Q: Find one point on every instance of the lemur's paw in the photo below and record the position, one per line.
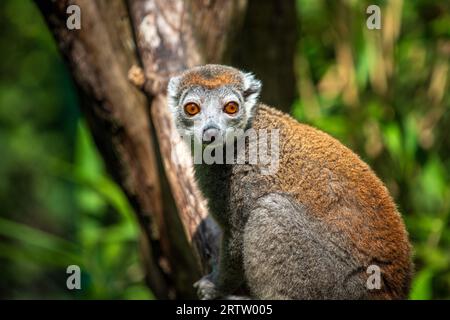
(206, 289)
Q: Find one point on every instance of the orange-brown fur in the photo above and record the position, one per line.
(334, 183)
(274, 248)
(215, 76)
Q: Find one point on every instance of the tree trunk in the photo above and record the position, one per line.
(267, 46)
(134, 131)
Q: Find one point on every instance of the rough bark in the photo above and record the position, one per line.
(172, 36)
(266, 46)
(99, 56)
(134, 132)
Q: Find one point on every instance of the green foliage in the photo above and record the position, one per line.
(58, 206)
(384, 93)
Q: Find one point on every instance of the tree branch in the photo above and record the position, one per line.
(141, 147)
(99, 56)
(171, 38)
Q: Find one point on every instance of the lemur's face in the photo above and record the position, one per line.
(211, 102)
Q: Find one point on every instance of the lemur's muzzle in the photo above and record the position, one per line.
(210, 134)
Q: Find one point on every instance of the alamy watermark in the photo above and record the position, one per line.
(74, 279)
(374, 280)
(255, 147)
(73, 22)
(374, 20)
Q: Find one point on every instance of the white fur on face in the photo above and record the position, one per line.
(252, 90)
(211, 102)
(172, 93)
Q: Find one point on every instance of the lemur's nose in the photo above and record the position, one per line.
(210, 134)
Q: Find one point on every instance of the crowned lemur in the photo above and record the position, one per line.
(312, 229)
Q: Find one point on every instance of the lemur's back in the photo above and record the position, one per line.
(339, 194)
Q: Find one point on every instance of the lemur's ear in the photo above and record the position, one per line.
(252, 89)
(173, 91)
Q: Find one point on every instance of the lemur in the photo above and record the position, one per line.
(311, 229)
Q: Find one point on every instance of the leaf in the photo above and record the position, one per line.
(421, 288)
(32, 237)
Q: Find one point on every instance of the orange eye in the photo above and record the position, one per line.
(191, 109)
(231, 108)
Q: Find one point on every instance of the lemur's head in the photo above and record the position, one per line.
(210, 101)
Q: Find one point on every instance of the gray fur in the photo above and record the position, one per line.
(272, 247)
(298, 257)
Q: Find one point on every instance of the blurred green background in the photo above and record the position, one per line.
(383, 93)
